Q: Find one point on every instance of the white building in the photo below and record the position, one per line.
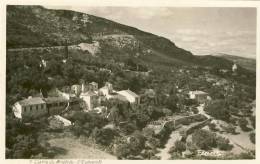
(31, 107)
(234, 67)
(200, 96)
(130, 96)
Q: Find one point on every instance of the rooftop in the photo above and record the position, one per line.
(32, 101)
(119, 97)
(55, 99)
(93, 83)
(198, 92)
(128, 92)
(62, 119)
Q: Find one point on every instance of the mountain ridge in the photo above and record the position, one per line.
(246, 62)
(36, 26)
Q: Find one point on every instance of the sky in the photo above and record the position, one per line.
(201, 30)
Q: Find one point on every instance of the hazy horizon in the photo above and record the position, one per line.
(203, 31)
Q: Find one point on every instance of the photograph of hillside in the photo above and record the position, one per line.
(130, 83)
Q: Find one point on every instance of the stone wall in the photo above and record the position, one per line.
(198, 126)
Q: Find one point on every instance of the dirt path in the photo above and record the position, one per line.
(72, 149)
(164, 153)
(241, 142)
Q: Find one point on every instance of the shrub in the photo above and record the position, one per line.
(148, 132)
(230, 129)
(122, 150)
(179, 147)
(246, 155)
(153, 143)
(149, 154)
(223, 143)
(192, 148)
(137, 143)
(212, 126)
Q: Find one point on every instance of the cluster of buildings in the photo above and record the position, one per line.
(87, 97)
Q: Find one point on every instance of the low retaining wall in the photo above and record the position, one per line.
(174, 124)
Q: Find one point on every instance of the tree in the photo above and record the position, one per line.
(218, 109)
(171, 103)
(122, 150)
(252, 137)
(192, 148)
(142, 118)
(153, 112)
(204, 139)
(128, 128)
(104, 136)
(166, 112)
(26, 147)
(252, 119)
(114, 115)
(137, 142)
(242, 122)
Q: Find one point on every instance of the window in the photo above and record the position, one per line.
(30, 108)
(24, 109)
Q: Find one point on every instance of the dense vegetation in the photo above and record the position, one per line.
(207, 140)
